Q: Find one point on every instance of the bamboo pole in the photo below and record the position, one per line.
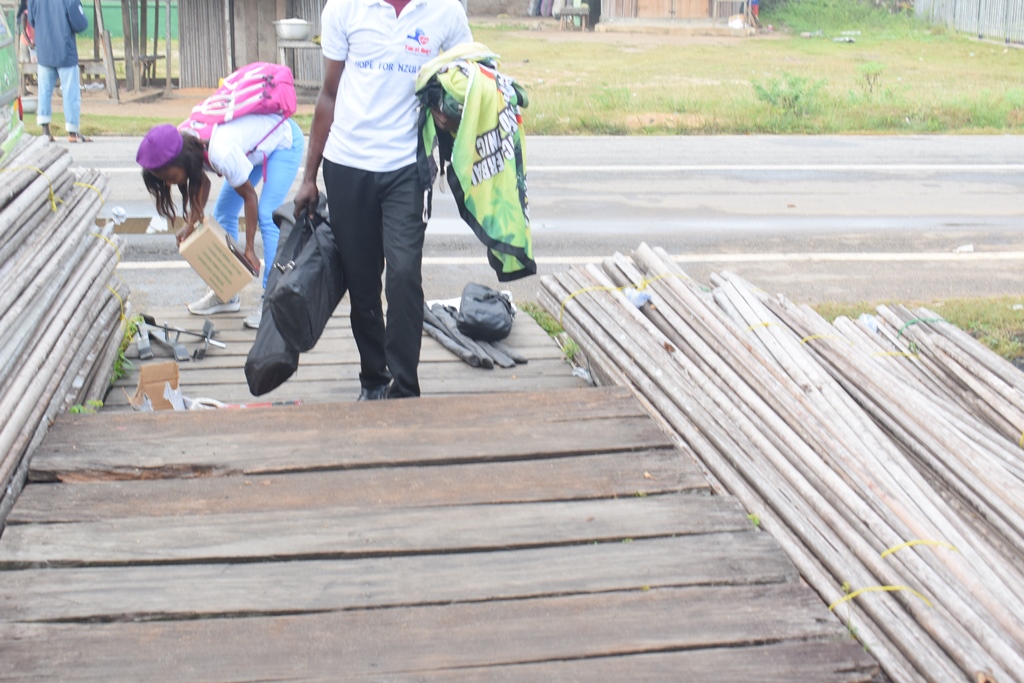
(681, 416)
(884, 496)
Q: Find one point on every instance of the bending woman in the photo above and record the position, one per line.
(244, 151)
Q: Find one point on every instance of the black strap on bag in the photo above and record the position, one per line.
(484, 314)
(310, 287)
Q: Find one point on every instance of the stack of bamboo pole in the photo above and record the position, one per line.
(891, 478)
(61, 309)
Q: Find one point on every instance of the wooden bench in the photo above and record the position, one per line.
(148, 69)
(568, 15)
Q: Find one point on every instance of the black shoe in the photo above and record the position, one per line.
(374, 393)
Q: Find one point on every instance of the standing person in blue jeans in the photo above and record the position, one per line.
(250, 149)
(56, 22)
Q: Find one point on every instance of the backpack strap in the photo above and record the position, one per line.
(262, 140)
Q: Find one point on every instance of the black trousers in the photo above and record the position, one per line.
(377, 219)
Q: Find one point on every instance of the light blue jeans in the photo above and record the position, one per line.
(282, 167)
(71, 90)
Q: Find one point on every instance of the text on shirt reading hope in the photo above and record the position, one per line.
(388, 66)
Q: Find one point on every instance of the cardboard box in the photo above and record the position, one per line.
(152, 378)
(214, 255)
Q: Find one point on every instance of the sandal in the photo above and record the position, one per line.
(77, 137)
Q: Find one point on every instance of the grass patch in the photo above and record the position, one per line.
(122, 365)
(994, 321)
(549, 324)
(89, 408)
(900, 76)
(546, 321)
(92, 124)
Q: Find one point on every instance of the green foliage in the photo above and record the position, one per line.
(121, 363)
(89, 408)
(791, 94)
(548, 323)
(754, 519)
(870, 73)
(569, 347)
(543, 318)
(834, 16)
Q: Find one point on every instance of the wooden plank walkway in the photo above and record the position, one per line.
(530, 536)
(330, 371)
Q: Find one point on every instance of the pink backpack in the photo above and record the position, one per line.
(257, 88)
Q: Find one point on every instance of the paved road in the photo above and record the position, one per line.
(754, 204)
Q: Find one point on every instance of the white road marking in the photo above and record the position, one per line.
(883, 168)
(739, 168)
(871, 257)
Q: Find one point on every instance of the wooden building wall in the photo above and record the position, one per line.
(672, 9)
(308, 64)
(203, 42)
(254, 37)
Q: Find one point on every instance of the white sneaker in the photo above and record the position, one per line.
(211, 304)
(252, 321)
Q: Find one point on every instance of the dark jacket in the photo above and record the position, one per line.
(56, 22)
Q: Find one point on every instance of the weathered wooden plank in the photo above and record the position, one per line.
(214, 454)
(229, 329)
(345, 346)
(429, 373)
(821, 661)
(351, 531)
(346, 435)
(372, 644)
(577, 478)
(339, 355)
(206, 590)
(347, 390)
(529, 412)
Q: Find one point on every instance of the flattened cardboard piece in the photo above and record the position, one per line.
(215, 257)
(152, 380)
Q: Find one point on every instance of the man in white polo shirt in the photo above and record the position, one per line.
(364, 132)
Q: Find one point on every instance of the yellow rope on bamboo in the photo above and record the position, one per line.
(597, 288)
(120, 300)
(91, 187)
(918, 541)
(110, 242)
(873, 589)
(53, 197)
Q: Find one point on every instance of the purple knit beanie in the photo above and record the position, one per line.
(160, 147)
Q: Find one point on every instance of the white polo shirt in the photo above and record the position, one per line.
(238, 146)
(375, 113)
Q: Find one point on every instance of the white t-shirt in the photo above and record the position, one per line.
(235, 148)
(375, 113)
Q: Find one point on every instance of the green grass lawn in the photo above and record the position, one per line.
(899, 77)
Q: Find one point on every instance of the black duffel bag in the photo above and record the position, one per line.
(484, 314)
(270, 361)
(311, 282)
